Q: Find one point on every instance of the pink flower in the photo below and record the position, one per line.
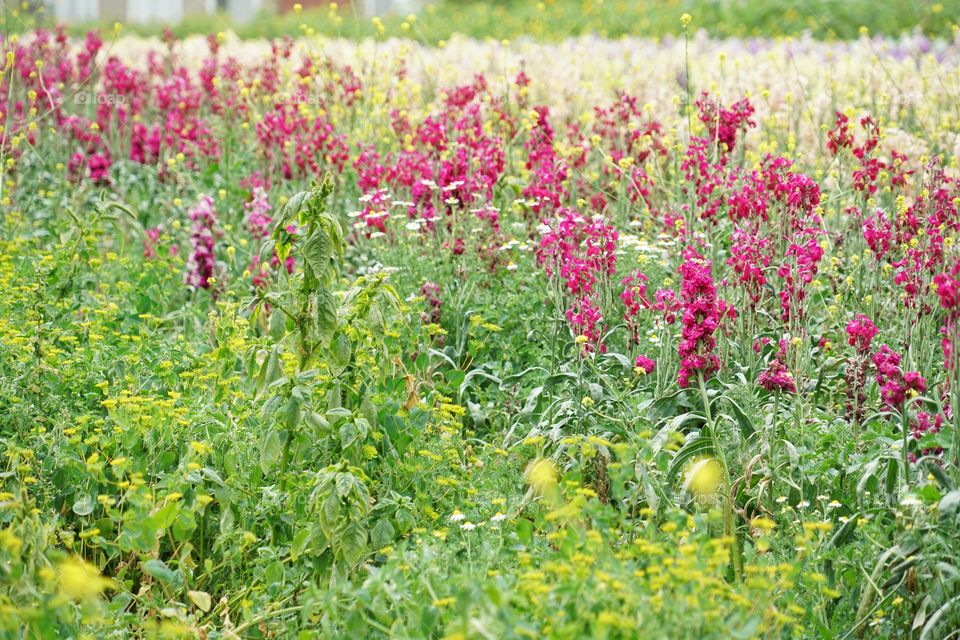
(777, 377)
(749, 257)
(723, 124)
(860, 332)
(431, 295)
(258, 214)
(634, 297)
(645, 364)
(894, 385)
(586, 320)
(150, 243)
(202, 262)
(700, 319)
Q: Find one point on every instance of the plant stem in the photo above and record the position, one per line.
(905, 426)
(729, 521)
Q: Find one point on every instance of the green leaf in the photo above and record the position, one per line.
(532, 399)
(84, 506)
(382, 534)
(318, 423)
(318, 251)
(184, 526)
(935, 618)
(524, 529)
(345, 483)
(869, 472)
(330, 513)
(201, 599)
(270, 450)
(341, 349)
(476, 373)
(932, 465)
(348, 434)
(949, 504)
(159, 570)
(843, 534)
(745, 424)
(299, 543)
(353, 542)
(290, 211)
(696, 447)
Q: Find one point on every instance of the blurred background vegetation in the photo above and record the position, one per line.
(558, 19)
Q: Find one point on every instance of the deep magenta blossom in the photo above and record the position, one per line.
(894, 385)
(860, 332)
(587, 320)
(645, 364)
(777, 376)
(700, 319)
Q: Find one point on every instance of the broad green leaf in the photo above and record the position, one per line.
(159, 570)
(270, 450)
(353, 542)
(950, 504)
(201, 599)
(382, 534)
(317, 252)
(84, 506)
(348, 434)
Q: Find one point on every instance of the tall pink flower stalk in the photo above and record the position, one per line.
(860, 333)
(700, 319)
(201, 264)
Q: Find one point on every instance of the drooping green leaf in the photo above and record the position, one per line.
(270, 449)
(201, 599)
(159, 570)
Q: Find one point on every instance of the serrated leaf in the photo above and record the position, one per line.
(382, 534)
(317, 252)
(345, 482)
(353, 542)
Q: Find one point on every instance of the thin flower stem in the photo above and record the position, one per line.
(729, 521)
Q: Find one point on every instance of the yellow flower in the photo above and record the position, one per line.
(542, 475)
(764, 524)
(703, 477)
(80, 580)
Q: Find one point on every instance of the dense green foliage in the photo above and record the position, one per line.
(291, 349)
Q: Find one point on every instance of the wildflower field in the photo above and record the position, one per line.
(576, 338)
